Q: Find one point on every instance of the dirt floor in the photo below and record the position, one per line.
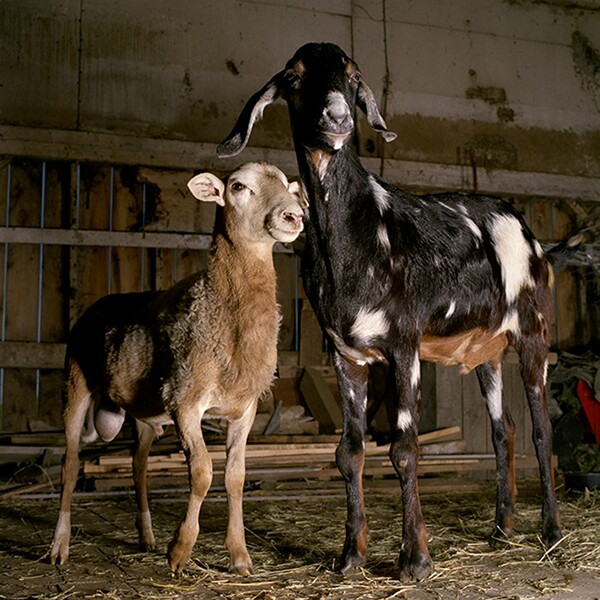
(294, 542)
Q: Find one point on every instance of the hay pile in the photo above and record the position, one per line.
(295, 545)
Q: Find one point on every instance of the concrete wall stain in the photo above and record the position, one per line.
(586, 60)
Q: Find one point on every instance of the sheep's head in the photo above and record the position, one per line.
(259, 204)
(321, 85)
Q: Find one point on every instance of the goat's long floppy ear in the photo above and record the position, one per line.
(236, 141)
(366, 100)
(295, 188)
(208, 188)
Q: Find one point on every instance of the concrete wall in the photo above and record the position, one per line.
(499, 84)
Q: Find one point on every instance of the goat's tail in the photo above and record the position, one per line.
(577, 250)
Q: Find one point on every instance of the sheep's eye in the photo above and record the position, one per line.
(236, 186)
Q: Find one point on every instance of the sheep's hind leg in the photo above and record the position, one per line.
(143, 521)
(189, 427)
(78, 400)
(235, 472)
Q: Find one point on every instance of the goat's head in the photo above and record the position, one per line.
(259, 204)
(321, 85)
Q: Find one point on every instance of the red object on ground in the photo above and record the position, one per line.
(591, 407)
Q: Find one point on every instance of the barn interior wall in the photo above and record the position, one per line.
(107, 108)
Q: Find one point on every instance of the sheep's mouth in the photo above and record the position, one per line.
(286, 232)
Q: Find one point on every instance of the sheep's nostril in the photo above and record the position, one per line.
(291, 217)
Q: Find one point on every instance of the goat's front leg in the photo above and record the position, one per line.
(414, 560)
(143, 521)
(350, 458)
(188, 421)
(235, 473)
(503, 439)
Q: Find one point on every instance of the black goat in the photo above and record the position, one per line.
(451, 278)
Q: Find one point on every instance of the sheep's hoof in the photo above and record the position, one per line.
(178, 557)
(244, 570)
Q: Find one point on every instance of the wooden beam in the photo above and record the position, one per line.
(123, 239)
(55, 144)
(32, 355)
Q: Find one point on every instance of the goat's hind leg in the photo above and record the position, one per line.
(503, 439)
(350, 458)
(77, 403)
(235, 473)
(414, 560)
(143, 521)
(533, 357)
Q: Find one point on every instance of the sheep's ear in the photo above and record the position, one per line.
(236, 141)
(208, 188)
(366, 100)
(295, 188)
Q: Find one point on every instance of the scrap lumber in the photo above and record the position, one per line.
(271, 462)
(320, 400)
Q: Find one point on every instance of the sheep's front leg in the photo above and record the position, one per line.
(414, 560)
(143, 521)
(188, 422)
(235, 472)
(350, 458)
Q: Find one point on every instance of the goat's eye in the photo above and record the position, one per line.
(356, 77)
(236, 186)
(293, 77)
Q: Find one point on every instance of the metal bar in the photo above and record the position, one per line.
(4, 289)
(111, 199)
(143, 252)
(296, 305)
(40, 283)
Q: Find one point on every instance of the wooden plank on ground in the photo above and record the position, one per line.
(320, 400)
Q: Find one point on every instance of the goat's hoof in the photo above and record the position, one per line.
(551, 536)
(415, 567)
(350, 562)
(499, 537)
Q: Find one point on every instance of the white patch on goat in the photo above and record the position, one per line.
(371, 272)
(539, 251)
(369, 324)
(545, 371)
(510, 323)
(383, 237)
(494, 397)
(382, 198)
(404, 420)
(451, 309)
(473, 227)
(450, 208)
(513, 254)
(415, 372)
